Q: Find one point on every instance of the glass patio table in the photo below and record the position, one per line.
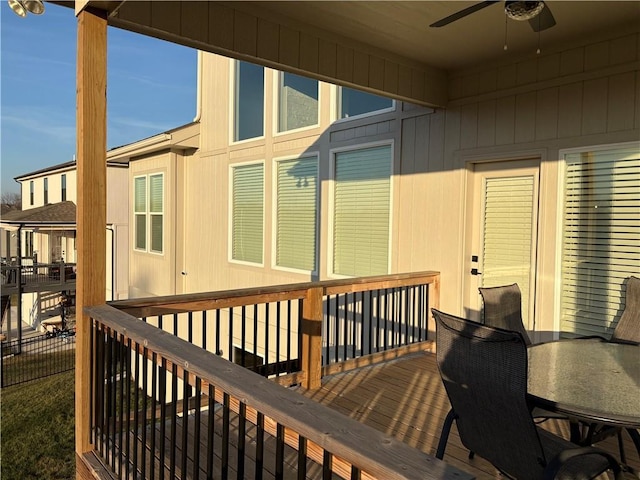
(589, 380)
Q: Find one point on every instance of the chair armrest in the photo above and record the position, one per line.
(554, 466)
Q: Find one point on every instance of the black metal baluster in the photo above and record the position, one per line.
(327, 337)
(154, 392)
(196, 429)
(255, 335)
(217, 332)
(266, 333)
(242, 431)
(190, 327)
(100, 387)
(336, 330)
(259, 446)
(345, 331)
(405, 316)
(378, 302)
(279, 304)
(204, 329)
(327, 465)
(355, 473)
(136, 408)
(394, 319)
(162, 398)
(121, 382)
(173, 445)
(175, 324)
(370, 322)
(225, 437)
(243, 335)
(211, 431)
(352, 308)
(288, 336)
(185, 421)
(302, 458)
(230, 353)
(279, 452)
(361, 322)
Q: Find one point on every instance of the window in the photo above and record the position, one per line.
(31, 192)
(601, 236)
(63, 181)
(362, 190)
(352, 103)
(296, 213)
(248, 101)
(247, 212)
(149, 212)
(298, 102)
(46, 191)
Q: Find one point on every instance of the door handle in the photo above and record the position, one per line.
(474, 271)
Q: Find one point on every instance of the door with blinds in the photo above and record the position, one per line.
(502, 213)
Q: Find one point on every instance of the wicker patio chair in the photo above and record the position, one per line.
(484, 371)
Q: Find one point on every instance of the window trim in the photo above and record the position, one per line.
(232, 105)
(332, 208)
(277, 82)
(274, 213)
(148, 214)
(336, 107)
(230, 258)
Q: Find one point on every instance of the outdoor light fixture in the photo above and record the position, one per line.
(21, 7)
(522, 10)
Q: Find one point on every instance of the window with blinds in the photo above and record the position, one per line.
(140, 212)
(247, 213)
(297, 213)
(148, 208)
(601, 237)
(362, 189)
(507, 234)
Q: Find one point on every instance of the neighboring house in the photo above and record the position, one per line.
(286, 179)
(46, 227)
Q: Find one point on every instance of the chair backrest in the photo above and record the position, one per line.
(484, 371)
(503, 308)
(628, 327)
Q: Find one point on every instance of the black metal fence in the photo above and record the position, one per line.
(35, 357)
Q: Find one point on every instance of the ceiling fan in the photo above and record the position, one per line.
(536, 12)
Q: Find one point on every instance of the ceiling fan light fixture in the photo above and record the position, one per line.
(522, 11)
(34, 6)
(18, 7)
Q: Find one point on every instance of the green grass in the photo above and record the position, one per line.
(37, 429)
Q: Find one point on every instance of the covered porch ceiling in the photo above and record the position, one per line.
(385, 47)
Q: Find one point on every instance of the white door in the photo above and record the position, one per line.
(502, 219)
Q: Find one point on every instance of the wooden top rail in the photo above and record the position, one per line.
(195, 302)
(368, 449)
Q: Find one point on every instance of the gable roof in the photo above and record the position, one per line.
(53, 214)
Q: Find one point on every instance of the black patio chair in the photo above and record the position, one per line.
(627, 331)
(484, 371)
(503, 309)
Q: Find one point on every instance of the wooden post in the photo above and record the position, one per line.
(311, 353)
(91, 125)
(434, 302)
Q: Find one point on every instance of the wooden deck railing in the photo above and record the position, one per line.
(300, 332)
(163, 407)
(37, 277)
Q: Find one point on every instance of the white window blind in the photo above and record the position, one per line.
(247, 213)
(361, 216)
(601, 237)
(296, 215)
(156, 211)
(140, 212)
(508, 229)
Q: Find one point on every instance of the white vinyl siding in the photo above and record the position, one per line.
(601, 237)
(247, 213)
(361, 211)
(508, 232)
(149, 212)
(296, 213)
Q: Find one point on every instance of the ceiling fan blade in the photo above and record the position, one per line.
(543, 20)
(463, 13)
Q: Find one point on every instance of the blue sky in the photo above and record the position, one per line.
(151, 87)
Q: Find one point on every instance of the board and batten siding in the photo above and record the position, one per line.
(583, 95)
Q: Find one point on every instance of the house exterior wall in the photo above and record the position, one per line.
(578, 96)
(54, 180)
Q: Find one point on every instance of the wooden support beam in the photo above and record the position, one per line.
(91, 147)
(311, 327)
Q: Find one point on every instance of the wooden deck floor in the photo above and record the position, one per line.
(404, 398)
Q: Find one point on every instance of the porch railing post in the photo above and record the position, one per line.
(311, 329)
